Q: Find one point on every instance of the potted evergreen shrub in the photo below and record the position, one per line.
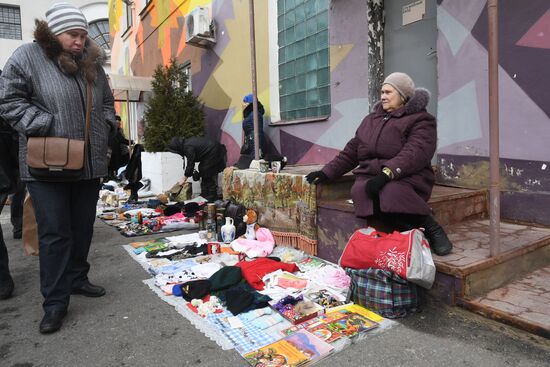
(172, 111)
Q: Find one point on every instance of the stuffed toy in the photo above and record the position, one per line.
(251, 220)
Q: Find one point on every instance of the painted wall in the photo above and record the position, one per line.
(463, 117)
(221, 75)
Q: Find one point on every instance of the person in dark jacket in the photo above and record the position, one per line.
(248, 127)
(8, 184)
(211, 157)
(120, 154)
(133, 174)
(9, 160)
(43, 93)
(391, 157)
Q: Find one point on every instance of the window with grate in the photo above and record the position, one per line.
(304, 68)
(128, 14)
(98, 30)
(10, 22)
(187, 71)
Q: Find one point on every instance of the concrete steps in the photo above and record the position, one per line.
(524, 303)
(468, 277)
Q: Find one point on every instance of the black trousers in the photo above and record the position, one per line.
(16, 208)
(398, 221)
(65, 215)
(4, 260)
(209, 188)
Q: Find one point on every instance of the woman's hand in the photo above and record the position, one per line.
(316, 177)
(182, 181)
(375, 184)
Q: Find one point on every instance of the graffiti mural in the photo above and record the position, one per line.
(221, 76)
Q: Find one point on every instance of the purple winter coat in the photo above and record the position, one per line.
(403, 140)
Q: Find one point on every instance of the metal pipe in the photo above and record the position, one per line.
(494, 151)
(254, 85)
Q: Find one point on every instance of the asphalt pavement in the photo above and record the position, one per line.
(131, 326)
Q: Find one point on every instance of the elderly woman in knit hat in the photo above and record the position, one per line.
(390, 155)
(43, 90)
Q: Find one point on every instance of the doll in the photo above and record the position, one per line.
(251, 218)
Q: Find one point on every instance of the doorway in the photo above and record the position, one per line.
(412, 48)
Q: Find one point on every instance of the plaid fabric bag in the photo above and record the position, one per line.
(383, 292)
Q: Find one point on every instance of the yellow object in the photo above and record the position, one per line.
(387, 172)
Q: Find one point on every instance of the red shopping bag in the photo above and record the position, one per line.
(407, 254)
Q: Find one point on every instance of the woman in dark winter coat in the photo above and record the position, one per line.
(391, 157)
(43, 93)
(248, 127)
(211, 157)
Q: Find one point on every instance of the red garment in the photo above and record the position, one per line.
(254, 271)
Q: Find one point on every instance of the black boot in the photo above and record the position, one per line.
(6, 288)
(439, 242)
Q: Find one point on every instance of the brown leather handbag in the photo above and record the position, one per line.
(59, 159)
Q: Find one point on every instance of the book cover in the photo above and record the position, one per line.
(323, 332)
(295, 350)
(351, 307)
(333, 325)
(351, 324)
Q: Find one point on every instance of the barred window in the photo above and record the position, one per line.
(98, 30)
(10, 22)
(304, 69)
(128, 14)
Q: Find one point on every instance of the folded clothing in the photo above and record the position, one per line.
(194, 289)
(254, 271)
(243, 298)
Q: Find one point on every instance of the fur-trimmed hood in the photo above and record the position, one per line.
(93, 56)
(416, 104)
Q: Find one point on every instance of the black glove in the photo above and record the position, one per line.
(375, 184)
(196, 175)
(316, 177)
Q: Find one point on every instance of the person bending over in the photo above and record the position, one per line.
(211, 157)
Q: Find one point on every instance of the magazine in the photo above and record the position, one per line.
(351, 307)
(333, 325)
(296, 350)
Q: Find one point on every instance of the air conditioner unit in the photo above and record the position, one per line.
(199, 28)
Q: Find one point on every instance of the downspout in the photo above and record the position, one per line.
(494, 153)
(254, 83)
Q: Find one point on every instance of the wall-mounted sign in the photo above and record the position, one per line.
(414, 11)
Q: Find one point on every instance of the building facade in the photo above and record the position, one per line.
(319, 65)
(17, 23)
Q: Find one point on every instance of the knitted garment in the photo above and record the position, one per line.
(254, 271)
(64, 17)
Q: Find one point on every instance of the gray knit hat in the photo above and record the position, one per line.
(63, 17)
(403, 83)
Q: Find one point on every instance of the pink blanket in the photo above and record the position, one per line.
(262, 246)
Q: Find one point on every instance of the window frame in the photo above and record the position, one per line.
(186, 67)
(101, 34)
(321, 91)
(19, 31)
(128, 13)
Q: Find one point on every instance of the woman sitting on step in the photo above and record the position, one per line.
(391, 157)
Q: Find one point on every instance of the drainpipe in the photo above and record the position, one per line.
(254, 84)
(494, 153)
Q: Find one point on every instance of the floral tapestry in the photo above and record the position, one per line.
(285, 203)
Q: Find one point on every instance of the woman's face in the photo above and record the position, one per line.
(73, 40)
(390, 98)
